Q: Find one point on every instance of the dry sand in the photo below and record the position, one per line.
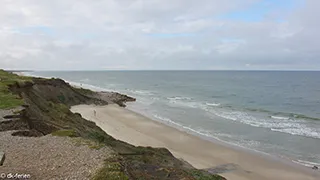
(136, 129)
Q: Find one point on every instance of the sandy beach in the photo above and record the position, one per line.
(235, 164)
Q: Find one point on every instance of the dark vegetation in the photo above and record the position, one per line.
(46, 105)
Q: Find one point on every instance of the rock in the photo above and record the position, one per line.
(27, 133)
(12, 116)
(25, 105)
(315, 167)
(2, 158)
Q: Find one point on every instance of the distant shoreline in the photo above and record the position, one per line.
(19, 71)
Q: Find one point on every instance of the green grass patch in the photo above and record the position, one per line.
(98, 137)
(7, 99)
(110, 171)
(59, 107)
(201, 175)
(83, 91)
(11, 77)
(65, 132)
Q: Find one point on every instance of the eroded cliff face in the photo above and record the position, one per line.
(47, 103)
(46, 111)
(46, 108)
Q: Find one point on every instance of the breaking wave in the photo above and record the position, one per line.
(306, 163)
(279, 117)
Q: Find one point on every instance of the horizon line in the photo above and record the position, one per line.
(279, 70)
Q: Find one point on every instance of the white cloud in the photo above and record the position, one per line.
(154, 34)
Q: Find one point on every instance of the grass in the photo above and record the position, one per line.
(65, 132)
(59, 107)
(91, 144)
(83, 91)
(112, 170)
(201, 175)
(97, 136)
(7, 99)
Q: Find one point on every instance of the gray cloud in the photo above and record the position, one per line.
(155, 34)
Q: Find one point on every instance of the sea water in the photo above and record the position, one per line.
(273, 112)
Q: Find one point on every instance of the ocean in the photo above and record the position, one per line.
(272, 112)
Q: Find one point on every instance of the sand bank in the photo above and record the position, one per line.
(234, 164)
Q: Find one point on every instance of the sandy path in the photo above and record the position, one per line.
(136, 129)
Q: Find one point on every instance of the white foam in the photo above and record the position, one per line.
(289, 126)
(286, 125)
(213, 104)
(88, 86)
(308, 132)
(140, 92)
(279, 117)
(188, 102)
(180, 126)
(198, 131)
(31, 74)
(167, 120)
(306, 163)
(246, 144)
(179, 101)
(179, 98)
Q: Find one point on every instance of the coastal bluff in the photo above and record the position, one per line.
(38, 122)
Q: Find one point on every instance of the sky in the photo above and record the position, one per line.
(160, 34)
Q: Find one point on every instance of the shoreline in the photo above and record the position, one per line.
(233, 162)
(277, 158)
(226, 144)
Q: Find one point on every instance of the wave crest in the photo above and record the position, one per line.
(213, 104)
(284, 125)
(280, 118)
(306, 163)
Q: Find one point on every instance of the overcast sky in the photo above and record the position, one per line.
(160, 34)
